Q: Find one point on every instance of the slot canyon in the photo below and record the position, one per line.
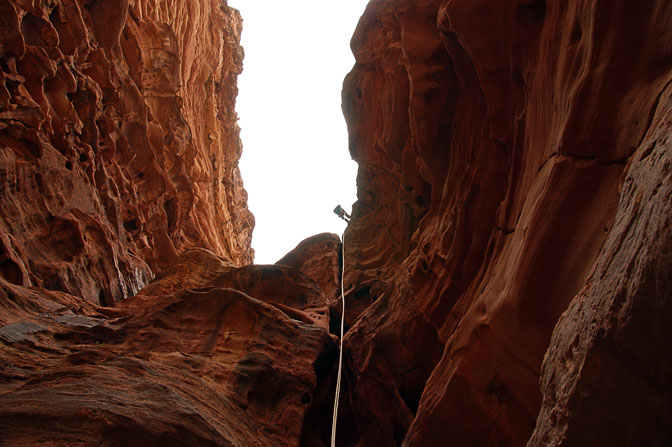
(507, 266)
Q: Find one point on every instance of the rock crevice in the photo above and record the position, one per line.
(507, 264)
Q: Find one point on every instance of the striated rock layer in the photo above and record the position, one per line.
(118, 141)
(208, 354)
(508, 260)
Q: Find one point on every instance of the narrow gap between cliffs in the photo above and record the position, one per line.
(295, 162)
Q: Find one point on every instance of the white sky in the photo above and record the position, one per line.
(295, 165)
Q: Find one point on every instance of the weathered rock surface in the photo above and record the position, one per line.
(118, 150)
(508, 269)
(186, 362)
(510, 170)
(118, 142)
(319, 258)
(606, 375)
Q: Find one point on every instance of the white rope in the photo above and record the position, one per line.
(340, 348)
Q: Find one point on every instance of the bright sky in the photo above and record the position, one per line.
(295, 165)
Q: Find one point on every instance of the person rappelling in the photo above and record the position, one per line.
(340, 212)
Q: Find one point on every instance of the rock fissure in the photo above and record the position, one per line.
(507, 270)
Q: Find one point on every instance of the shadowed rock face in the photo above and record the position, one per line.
(118, 142)
(609, 359)
(507, 265)
(514, 164)
(190, 365)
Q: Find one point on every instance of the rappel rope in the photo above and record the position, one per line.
(340, 348)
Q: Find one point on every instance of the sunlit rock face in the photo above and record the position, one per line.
(508, 262)
(118, 142)
(118, 163)
(318, 257)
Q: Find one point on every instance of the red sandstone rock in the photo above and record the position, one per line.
(318, 258)
(198, 364)
(605, 376)
(118, 142)
(513, 207)
(492, 138)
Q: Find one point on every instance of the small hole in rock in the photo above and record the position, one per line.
(577, 33)
(362, 293)
(11, 272)
(39, 182)
(305, 399)
(131, 225)
(68, 165)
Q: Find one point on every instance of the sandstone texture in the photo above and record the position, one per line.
(118, 141)
(509, 253)
(198, 363)
(318, 257)
(508, 264)
(606, 374)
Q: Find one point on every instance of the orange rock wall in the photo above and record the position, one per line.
(507, 265)
(118, 141)
(206, 355)
(504, 178)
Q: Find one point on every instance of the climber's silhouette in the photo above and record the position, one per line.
(340, 212)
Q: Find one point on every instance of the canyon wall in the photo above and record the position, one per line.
(118, 164)
(207, 355)
(507, 264)
(119, 143)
